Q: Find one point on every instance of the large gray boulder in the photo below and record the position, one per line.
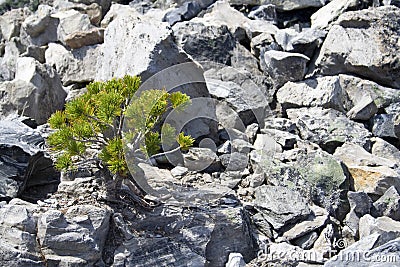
(328, 127)
(76, 66)
(75, 30)
(320, 92)
(280, 206)
(142, 45)
(357, 45)
(40, 28)
(18, 244)
(10, 22)
(76, 237)
(194, 238)
(213, 43)
(36, 91)
(284, 66)
(324, 17)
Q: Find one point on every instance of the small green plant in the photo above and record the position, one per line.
(91, 128)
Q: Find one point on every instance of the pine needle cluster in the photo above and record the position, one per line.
(91, 128)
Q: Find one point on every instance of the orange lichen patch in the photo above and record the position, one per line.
(364, 179)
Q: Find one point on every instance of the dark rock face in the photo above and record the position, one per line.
(23, 163)
(196, 238)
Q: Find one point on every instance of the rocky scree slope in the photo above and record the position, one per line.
(297, 148)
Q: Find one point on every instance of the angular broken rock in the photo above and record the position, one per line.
(320, 92)
(18, 242)
(329, 128)
(315, 221)
(36, 91)
(282, 6)
(23, 162)
(142, 45)
(76, 66)
(40, 28)
(387, 228)
(280, 205)
(383, 125)
(284, 66)
(84, 38)
(357, 45)
(374, 180)
(388, 204)
(363, 110)
(76, 236)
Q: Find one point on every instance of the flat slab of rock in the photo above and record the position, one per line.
(280, 205)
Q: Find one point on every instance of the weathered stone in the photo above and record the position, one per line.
(347, 256)
(10, 22)
(241, 146)
(37, 52)
(383, 125)
(388, 204)
(18, 237)
(76, 236)
(280, 206)
(36, 91)
(40, 28)
(93, 10)
(179, 171)
(383, 149)
(263, 42)
(187, 11)
(12, 50)
(354, 155)
(363, 110)
(326, 15)
(321, 92)
(328, 128)
(188, 238)
(198, 159)
(71, 22)
(231, 179)
(281, 124)
(213, 43)
(84, 38)
(76, 66)
(357, 89)
(374, 180)
(240, 26)
(285, 139)
(246, 103)
(387, 228)
(264, 12)
(145, 47)
(282, 6)
(306, 241)
(267, 144)
(284, 66)
(356, 45)
(234, 161)
(23, 163)
(235, 260)
(313, 222)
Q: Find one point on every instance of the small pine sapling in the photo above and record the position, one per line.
(91, 128)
